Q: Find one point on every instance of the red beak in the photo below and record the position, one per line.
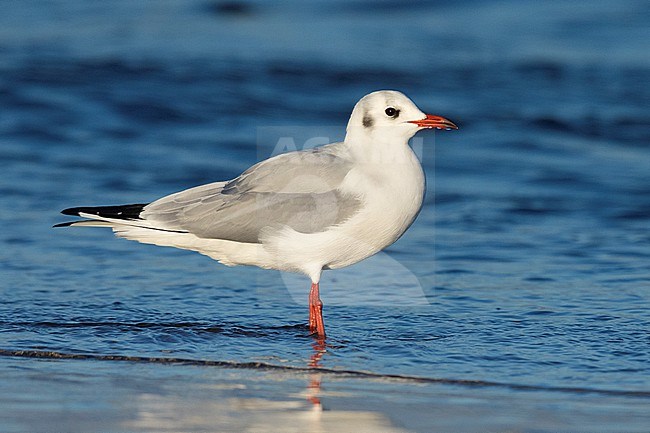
(437, 122)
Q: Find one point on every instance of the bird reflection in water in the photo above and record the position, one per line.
(313, 389)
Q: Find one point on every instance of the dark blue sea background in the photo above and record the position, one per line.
(518, 301)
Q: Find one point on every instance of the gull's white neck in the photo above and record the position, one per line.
(379, 149)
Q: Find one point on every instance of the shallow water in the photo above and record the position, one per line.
(527, 267)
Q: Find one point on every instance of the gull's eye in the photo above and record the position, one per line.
(391, 112)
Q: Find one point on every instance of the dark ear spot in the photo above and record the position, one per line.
(367, 121)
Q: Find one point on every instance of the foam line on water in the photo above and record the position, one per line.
(333, 372)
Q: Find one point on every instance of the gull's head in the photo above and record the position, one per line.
(390, 115)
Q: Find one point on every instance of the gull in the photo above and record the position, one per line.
(304, 211)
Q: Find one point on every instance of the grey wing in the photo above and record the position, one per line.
(298, 189)
(310, 171)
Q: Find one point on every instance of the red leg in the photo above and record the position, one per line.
(316, 325)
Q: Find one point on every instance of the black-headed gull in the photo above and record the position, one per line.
(304, 211)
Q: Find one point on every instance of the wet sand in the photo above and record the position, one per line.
(81, 393)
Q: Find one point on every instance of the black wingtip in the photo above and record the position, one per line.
(72, 211)
(127, 211)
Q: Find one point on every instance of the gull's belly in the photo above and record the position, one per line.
(392, 197)
(371, 231)
(387, 213)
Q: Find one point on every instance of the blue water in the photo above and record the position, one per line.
(529, 264)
